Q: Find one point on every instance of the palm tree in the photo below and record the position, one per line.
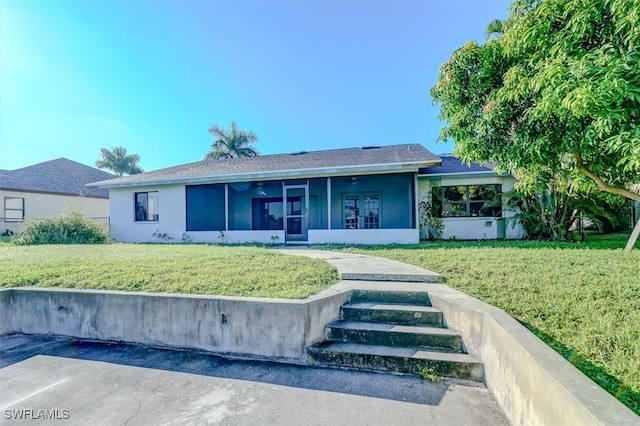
(234, 143)
(495, 28)
(118, 161)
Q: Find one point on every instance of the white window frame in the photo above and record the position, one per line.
(12, 209)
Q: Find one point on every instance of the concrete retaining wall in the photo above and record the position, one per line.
(265, 328)
(532, 383)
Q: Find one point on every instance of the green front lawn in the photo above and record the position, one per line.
(176, 268)
(581, 299)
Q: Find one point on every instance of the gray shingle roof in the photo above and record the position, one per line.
(59, 176)
(451, 164)
(300, 164)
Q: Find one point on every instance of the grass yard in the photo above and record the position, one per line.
(581, 299)
(199, 269)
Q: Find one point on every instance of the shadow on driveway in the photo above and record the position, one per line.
(17, 348)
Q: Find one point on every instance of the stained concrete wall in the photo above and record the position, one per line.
(6, 312)
(265, 328)
(532, 383)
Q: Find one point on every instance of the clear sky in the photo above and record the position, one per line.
(152, 76)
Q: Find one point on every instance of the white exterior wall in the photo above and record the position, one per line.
(171, 214)
(364, 236)
(475, 228)
(171, 220)
(470, 228)
(236, 237)
(40, 206)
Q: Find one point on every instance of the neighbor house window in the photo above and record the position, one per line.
(361, 211)
(13, 209)
(469, 200)
(146, 205)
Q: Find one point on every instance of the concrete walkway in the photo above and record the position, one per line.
(367, 268)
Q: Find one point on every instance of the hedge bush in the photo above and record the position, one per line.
(71, 227)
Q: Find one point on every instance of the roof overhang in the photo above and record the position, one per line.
(463, 174)
(367, 169)
(66, 194)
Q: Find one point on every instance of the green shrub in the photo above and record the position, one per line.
(71, 227)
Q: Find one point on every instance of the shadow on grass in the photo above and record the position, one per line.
(608, 382)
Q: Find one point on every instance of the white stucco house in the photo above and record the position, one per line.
(46, 189)
(365, 195)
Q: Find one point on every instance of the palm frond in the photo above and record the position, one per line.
(494, 29)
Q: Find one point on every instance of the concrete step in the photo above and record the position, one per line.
(397, 297)
(392, 313)
(372, 333)
(406, 360)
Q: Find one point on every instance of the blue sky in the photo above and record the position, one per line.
(152, 76)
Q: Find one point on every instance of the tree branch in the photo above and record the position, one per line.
(602, 184)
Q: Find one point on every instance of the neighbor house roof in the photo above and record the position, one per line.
(60, 176)
(453, 165)
(335, 162)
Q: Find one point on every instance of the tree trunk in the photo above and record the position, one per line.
(601, 184)
(634, 237)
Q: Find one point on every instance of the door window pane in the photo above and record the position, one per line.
(294, 226)
(351, 211)
(294, 206)
(371, 207)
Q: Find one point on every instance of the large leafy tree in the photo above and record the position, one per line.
(232, 143)
(558, 92)
(118, 161)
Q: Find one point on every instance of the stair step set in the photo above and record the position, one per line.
(397, 332)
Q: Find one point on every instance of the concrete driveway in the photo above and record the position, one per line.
(80, 383)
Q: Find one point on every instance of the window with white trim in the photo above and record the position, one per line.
(13, 209)
(146, 206)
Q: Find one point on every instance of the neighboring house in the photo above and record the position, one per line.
(365, 195)
(46, 189)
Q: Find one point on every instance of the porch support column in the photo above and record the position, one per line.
(226, 206)
(417, 202)
(328, 203)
